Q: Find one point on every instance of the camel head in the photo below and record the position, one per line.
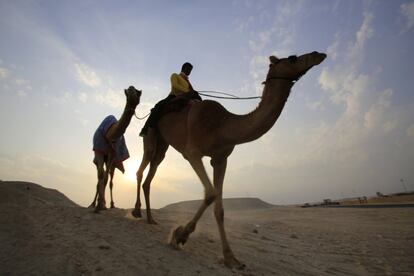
(293, 67)
(133, 96)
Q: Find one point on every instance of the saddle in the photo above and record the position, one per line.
(180, 102)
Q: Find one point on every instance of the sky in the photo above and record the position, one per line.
(347, 129)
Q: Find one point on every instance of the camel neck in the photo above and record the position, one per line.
(120, 127)
(249, 127)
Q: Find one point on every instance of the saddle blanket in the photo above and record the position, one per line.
(102, 146)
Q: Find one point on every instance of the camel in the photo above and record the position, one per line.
(207, 129)
(110, 139)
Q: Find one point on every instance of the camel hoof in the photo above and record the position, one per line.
(152, 221)
(112, 205)
(232, 262)
(136, 213)
(100, 208)
(178, 237)
(92, 205)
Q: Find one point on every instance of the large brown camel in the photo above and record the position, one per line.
(207, 129)
(110, 139)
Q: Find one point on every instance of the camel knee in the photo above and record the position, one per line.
(139, 175)
(209, 199)
(149, 153)
(146, 187)
(219, 214)
(101, 173)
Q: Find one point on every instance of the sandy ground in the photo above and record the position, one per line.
(44, 233)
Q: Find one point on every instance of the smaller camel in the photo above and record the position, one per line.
(207, 129)
(110, 148)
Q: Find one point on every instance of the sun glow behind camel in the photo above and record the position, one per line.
(347, 129)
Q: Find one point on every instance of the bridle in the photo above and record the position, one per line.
(293, 80)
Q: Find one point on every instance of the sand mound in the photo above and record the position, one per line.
(230, 204)
(30, 194)
(44, 233)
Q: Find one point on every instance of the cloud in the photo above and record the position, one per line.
(242, 25)
(365, 32)
(4, 73)
(317, 105)
(362, 108)
(21, 93)
(112, 98)
(14, 83)
(407, 10)
(374, 115)
(59, 98)
(332, 50)
(279, 32)
(87, 76)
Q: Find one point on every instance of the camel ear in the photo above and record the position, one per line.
(125, 92)
(273, 59)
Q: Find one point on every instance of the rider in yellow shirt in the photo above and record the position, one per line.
(180, 85)
(179, 82)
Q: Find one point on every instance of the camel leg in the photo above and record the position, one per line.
(159, 155)
(93, 204)
(99, 162)
(181, 234)
(102, 184)
(219, 172)
(149, 148)
(111, 184)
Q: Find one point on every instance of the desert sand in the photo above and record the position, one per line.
(42, 232)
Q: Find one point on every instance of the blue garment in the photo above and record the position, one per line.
(102, 146)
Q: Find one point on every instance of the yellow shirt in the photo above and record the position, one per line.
(178, 85)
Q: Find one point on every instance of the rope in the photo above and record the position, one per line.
(206, 93)
(230, 96)
(141, 118)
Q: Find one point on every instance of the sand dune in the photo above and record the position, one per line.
(230, 204)
(44, 233)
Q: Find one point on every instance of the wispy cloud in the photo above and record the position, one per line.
(407, 10)
(316, 105)
(364, 111)
(87, 76)
(365, 32)
(3, 72)
(374, 116)
(12, 82)
(352, 90)
(276, 36)
(110, 97)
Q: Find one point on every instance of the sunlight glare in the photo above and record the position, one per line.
(131, 168)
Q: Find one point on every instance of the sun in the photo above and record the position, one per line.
(131, 168)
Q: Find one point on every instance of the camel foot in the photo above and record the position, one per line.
(100, 207)
(137, 213)
(178, 236)
(232, 262)
(112, 205)
(150, 220)
(92, 205)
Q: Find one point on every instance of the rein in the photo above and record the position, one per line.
(141, 118)
(234, 97)
(228, 96)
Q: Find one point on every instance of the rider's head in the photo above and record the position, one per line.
(186, 68)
